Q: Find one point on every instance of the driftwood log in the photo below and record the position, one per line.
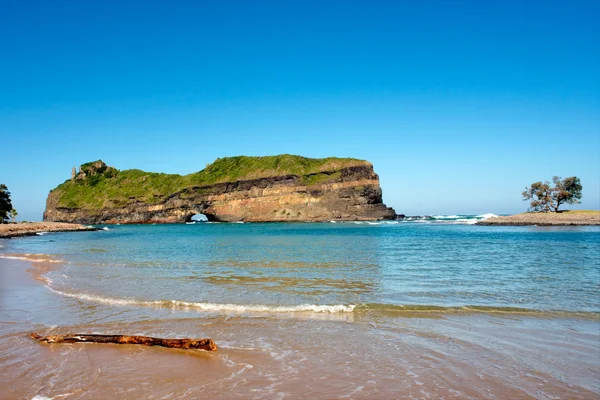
(202, 344)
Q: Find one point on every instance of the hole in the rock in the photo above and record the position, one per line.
(197, 218)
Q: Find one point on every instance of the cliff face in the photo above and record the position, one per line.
(329, 190)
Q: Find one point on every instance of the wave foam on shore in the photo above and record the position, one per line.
(35, 258)
(397, 309)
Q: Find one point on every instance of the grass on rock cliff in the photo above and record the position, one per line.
(113, 188)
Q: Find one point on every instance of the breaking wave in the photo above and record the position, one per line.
(448, 219)
(213, 307)
(394, 309)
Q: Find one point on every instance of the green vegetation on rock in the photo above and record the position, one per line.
(97, 185)
(232, 169)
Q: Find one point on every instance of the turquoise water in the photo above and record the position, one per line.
(326, 267)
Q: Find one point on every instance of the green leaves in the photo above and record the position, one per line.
(6, 209)
(544, 197)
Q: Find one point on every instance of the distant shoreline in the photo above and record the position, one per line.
(564, 218)
(8, 231)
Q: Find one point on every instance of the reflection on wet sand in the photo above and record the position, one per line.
(455, 357)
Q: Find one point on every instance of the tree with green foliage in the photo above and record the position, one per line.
(5, 204)
(540, 195)
(545, 198)
(13, 215)
(566, 191)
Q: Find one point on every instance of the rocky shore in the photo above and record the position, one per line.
(564, 218)
(32, 228)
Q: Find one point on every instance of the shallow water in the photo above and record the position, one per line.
(265, 266)
(306, 311)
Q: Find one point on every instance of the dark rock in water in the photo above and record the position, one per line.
(250, 189)
(400, 216)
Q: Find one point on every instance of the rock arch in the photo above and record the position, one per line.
(344, 193)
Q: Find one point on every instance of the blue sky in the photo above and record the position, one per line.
(458, 104)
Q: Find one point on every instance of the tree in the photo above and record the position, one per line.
(544, 198)
(13, 215)
(540, 195)
(5, 204)
(566, 191)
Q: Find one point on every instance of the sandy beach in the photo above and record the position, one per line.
(33, 228)
(289, 200)
(563, 218)
(302, 355)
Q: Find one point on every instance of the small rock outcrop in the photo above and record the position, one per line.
(249, 189)
(95, 168)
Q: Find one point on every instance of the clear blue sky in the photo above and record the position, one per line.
(458, 104)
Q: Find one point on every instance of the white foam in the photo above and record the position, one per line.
(486, 216)
(40, 397)
(340, 308)
(41, 233)
(459, 219)
(105, 228)
(216, 307)
(27, 257)
(446, 216)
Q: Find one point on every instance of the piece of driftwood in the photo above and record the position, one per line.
(202, 344)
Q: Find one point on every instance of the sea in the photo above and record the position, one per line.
(422, 308)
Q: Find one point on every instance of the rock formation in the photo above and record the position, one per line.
(249, 189)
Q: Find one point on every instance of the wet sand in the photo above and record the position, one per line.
(296, 355)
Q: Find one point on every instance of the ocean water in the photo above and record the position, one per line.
(422, 308)
(324, 267)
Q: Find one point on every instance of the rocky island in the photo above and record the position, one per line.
(231, 189)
